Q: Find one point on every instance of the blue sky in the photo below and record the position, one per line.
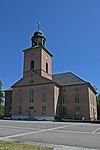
(72, 30)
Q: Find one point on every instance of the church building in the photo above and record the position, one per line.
(41, 95)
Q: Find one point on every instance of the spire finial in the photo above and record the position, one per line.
(38, 25)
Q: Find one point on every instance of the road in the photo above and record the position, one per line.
(54, 134)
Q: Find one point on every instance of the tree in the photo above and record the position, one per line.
(1, 99)
(98, 98)
(98, 101)
(98, 105)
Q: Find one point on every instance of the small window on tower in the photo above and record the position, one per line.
(32, 64)
(47, 67)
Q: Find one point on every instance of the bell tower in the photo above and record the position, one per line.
(37, 58)
(38, 38)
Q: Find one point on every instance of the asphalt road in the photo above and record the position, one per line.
(52, 133)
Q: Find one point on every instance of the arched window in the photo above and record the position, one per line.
(32, 64)
(31, 95)
(47, 67)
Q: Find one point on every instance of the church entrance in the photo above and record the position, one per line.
(31, 111)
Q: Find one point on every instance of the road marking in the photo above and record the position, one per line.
(19, 127)
(96, 130)
(72, 132)
(77, 132)
(39, 131)
(35, 122)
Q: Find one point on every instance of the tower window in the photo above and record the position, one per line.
(32, 64)
(47, 67)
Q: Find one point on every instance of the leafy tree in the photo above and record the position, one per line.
(98, 98)
(1, 98)
(98, 101)
(95, 88)
(98, 105)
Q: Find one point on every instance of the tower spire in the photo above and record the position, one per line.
(38, 37)
(38, 23)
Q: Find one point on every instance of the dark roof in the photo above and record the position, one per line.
(67, 79)
(8, 90)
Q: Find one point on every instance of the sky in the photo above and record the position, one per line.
(71, 28)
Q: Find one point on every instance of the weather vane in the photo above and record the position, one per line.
(38, 25)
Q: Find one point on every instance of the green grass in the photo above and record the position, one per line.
(20, 146)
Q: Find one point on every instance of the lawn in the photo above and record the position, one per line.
(20, 146)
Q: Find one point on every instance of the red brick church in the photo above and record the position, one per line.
(41, 95)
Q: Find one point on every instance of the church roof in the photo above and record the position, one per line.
(8, 90)
(67, 79)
